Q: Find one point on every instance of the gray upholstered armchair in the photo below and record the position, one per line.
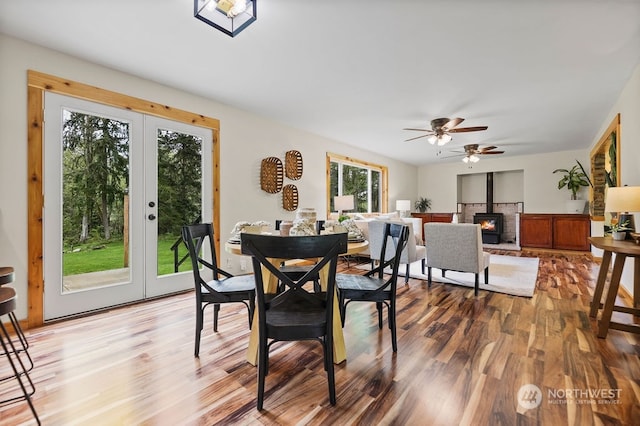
(412, 253)
(456, 247)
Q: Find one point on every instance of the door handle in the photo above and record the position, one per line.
(152, 217)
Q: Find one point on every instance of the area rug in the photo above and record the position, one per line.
(507, 274)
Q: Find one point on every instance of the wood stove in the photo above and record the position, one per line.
(491, 224)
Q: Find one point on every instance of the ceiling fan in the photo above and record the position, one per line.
(440, 129)
(473, 151)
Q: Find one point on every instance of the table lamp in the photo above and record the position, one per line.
(403, 206)
(343, 202)
(623, 201)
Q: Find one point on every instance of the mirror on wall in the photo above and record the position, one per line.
(605, 167)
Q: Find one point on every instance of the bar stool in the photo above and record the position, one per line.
(7, 277)
(7, 307)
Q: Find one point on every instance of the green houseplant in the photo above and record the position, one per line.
(423, 204)
(573, 179)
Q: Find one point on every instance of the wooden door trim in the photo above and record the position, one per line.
(37, 84)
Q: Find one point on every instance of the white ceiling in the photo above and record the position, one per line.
(542, 74)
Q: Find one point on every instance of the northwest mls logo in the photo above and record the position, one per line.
(529, 396)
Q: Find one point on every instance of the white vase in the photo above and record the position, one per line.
(575, 206)
(619, 235)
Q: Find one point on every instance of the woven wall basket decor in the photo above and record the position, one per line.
(290, 197)
(293, 164)
(271, 175)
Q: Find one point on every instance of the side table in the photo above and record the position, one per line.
(622, 249)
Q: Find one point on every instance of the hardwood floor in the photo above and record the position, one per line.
(460, 360)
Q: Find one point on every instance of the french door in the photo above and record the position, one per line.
(118, 186)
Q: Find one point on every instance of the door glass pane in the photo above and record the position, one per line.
(179, 196)
(95, 158)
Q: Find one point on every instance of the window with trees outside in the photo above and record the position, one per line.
(365, 181)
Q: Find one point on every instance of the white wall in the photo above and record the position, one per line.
(628, 105)
(508, 187)
(540, 192)
(244, 140)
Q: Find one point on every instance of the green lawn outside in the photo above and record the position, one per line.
(110, 256)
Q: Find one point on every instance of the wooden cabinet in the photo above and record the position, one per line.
(536, 230)
(433, 217)
(556, 231)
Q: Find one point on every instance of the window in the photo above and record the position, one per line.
(365, 181)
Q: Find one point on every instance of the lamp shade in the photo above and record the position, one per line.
(622, 199)
(343, 202)
(403, 205)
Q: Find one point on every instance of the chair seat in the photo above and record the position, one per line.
(237, 283)
(359, 282)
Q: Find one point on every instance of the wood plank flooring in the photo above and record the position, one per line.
(460, 360)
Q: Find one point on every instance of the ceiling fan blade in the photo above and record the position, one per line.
(419, 130)
(417, 137)
(488, 148)
(468, 129)
(490, 152)
(452, 123)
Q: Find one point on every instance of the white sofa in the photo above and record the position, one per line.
(363, 224)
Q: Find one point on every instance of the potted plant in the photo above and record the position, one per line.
(619, 230)
(573, 179)
(423, 204)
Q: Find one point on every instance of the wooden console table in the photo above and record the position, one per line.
(622, 249)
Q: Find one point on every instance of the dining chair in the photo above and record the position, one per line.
(374, 286)
(295, 313)
(222, 287)
(412, 253)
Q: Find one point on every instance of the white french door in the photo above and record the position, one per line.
(118, 186)
(178, 157)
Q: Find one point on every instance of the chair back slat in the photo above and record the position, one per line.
(199, 240)
(396, 235)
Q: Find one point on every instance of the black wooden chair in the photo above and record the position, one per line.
(295, 313)
(373, 286)
(223, 288)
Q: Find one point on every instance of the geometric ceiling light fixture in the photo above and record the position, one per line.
(229, 16)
